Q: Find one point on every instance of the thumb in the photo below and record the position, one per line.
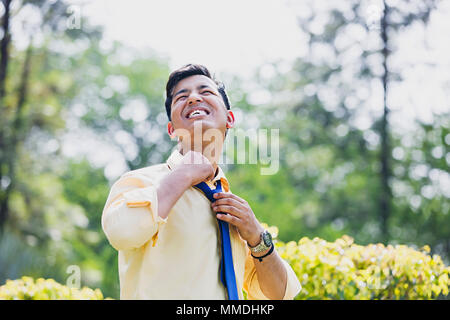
(210, 177)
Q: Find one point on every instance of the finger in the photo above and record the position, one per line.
(220, 195)
(228, 201)
(228, 209)
(229, 218)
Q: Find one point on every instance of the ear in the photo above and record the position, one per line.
(170, 130)
(230, 119)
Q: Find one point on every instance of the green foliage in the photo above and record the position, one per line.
(328, 182)
(326, 270)
(263, 195)
(344, 270)
(18, 258)
(27, 288)
(91, 250)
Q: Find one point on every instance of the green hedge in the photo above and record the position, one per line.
(326, 270)
(344, 270)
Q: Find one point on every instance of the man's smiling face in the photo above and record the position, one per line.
(196, 99)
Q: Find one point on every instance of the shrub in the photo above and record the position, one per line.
(45, 289)
(326, 270)
(344, 270)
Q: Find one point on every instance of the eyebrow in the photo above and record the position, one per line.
(202, 86)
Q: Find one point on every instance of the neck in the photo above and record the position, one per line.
(211, 151)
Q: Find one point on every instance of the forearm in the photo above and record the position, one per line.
(170, 189)
(271, 272)
(272, 275)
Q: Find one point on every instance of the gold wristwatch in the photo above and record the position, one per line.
(264, 244)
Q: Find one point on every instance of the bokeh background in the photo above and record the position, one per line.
(358, 89)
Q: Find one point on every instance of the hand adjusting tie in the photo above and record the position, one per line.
(227, 275)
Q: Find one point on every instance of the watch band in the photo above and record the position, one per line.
(261, 246)
(262, 257)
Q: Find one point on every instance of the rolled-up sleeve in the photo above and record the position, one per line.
(130, 218)
(251, 284)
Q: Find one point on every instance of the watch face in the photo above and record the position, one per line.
(267, 238)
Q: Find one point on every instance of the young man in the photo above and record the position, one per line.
(168, 234)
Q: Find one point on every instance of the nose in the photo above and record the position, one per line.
(194, 98)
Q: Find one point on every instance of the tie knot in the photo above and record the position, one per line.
(207, 191)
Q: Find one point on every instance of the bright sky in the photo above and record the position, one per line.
(233, 36)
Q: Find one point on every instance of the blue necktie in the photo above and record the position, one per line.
(227, 275)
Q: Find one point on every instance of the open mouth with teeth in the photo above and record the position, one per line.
(197, 113)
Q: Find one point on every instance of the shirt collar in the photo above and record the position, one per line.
(176, 157)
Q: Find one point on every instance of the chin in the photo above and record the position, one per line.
(205, 125)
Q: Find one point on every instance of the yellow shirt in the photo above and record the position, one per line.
(177, 257)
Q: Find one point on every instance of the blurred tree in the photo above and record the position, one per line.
(404, 14)
(336, 142)
(4, 60)
(14, 107)
(421, 186)
(35, 217)
(355, 37)
(88, 187)
(124, 103)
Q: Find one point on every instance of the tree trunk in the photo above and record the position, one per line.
(4, 48)
(16, 136)
(4, 59)
(386, 194)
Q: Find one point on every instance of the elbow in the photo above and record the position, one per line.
(122, 240)
(128, 230)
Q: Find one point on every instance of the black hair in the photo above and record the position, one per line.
(185, 72)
